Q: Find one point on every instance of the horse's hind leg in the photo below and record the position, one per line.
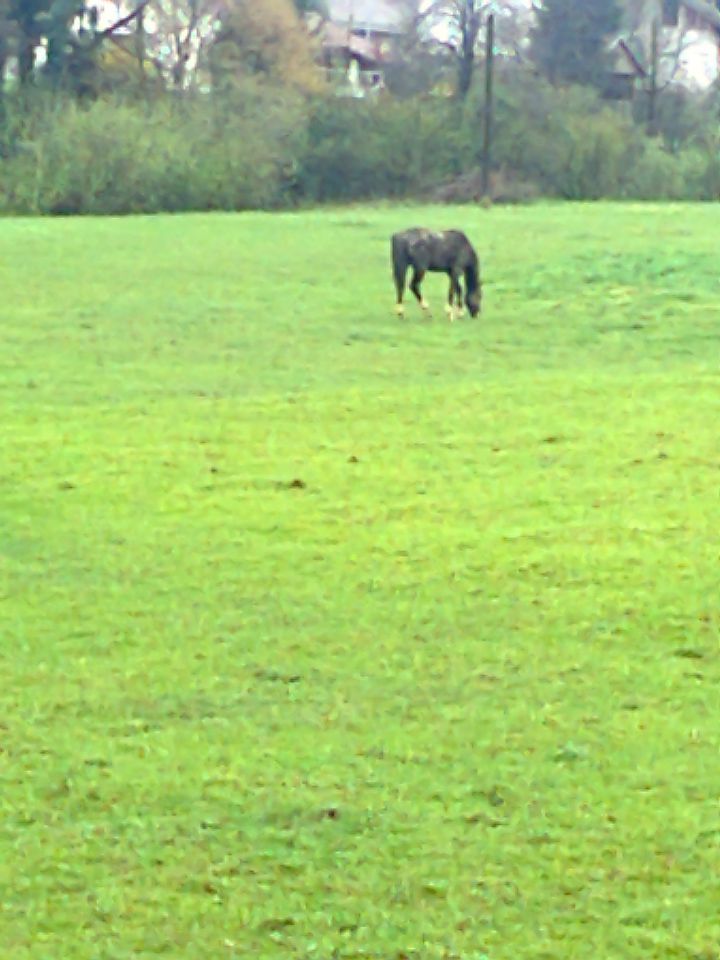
(400, 289)
(400, 265)
(415, 282)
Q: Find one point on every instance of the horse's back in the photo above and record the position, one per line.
(457, 236)
(422, 236)
(432, 250)
(412, 233)
(409, 238)
(414, 244)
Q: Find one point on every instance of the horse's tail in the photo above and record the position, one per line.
(400, 261)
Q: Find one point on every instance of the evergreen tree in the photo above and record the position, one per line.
(570, 38)
(69, 31)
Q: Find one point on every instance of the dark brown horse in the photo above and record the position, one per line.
(448, 252)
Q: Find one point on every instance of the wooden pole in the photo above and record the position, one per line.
(652, 99)
(3, 59)
(488, 106)
(140, 49)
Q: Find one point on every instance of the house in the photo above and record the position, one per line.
(626, 73)
(358, 40)
(691, 14)
(700, 15)
(688, 37)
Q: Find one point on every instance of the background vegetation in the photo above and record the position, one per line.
(220, 106)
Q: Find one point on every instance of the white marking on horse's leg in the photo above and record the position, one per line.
(450, 311)
(400, 310)
(424, 305)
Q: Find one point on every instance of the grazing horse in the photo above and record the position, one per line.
(447, 252)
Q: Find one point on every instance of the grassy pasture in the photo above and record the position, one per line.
(328, 635)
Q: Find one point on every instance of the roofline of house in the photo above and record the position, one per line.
(706, 10)
(371, 27)
(638, 67)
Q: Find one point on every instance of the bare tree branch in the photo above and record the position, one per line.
(124, 21)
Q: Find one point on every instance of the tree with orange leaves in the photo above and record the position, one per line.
(264, 39)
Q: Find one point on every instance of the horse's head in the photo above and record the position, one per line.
(474, 301)
(473, 284)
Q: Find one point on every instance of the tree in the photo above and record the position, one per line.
(23, 15)
(462, 23)
(69, 30)
(264, 39)
(179, 33)
(186, 38)
(311, 6)
(569, 41)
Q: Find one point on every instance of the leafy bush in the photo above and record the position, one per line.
(113, 157)
(602, 147)
(566, 141)
(360, 149)
(700, 169)
(253, 144)
(530, 129)
(656, 175)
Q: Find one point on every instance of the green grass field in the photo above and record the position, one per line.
(329, 635)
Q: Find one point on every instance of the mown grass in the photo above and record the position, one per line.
(326, 635)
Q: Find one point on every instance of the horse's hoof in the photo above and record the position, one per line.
(425, 306)
(400, 310)
(450, 313)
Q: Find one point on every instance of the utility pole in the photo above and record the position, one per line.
(652, 98)
(3, 60)
(140, 49)
(488, 106)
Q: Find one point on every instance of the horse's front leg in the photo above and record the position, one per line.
(455, 279)
(415, 282)
(454, 293)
